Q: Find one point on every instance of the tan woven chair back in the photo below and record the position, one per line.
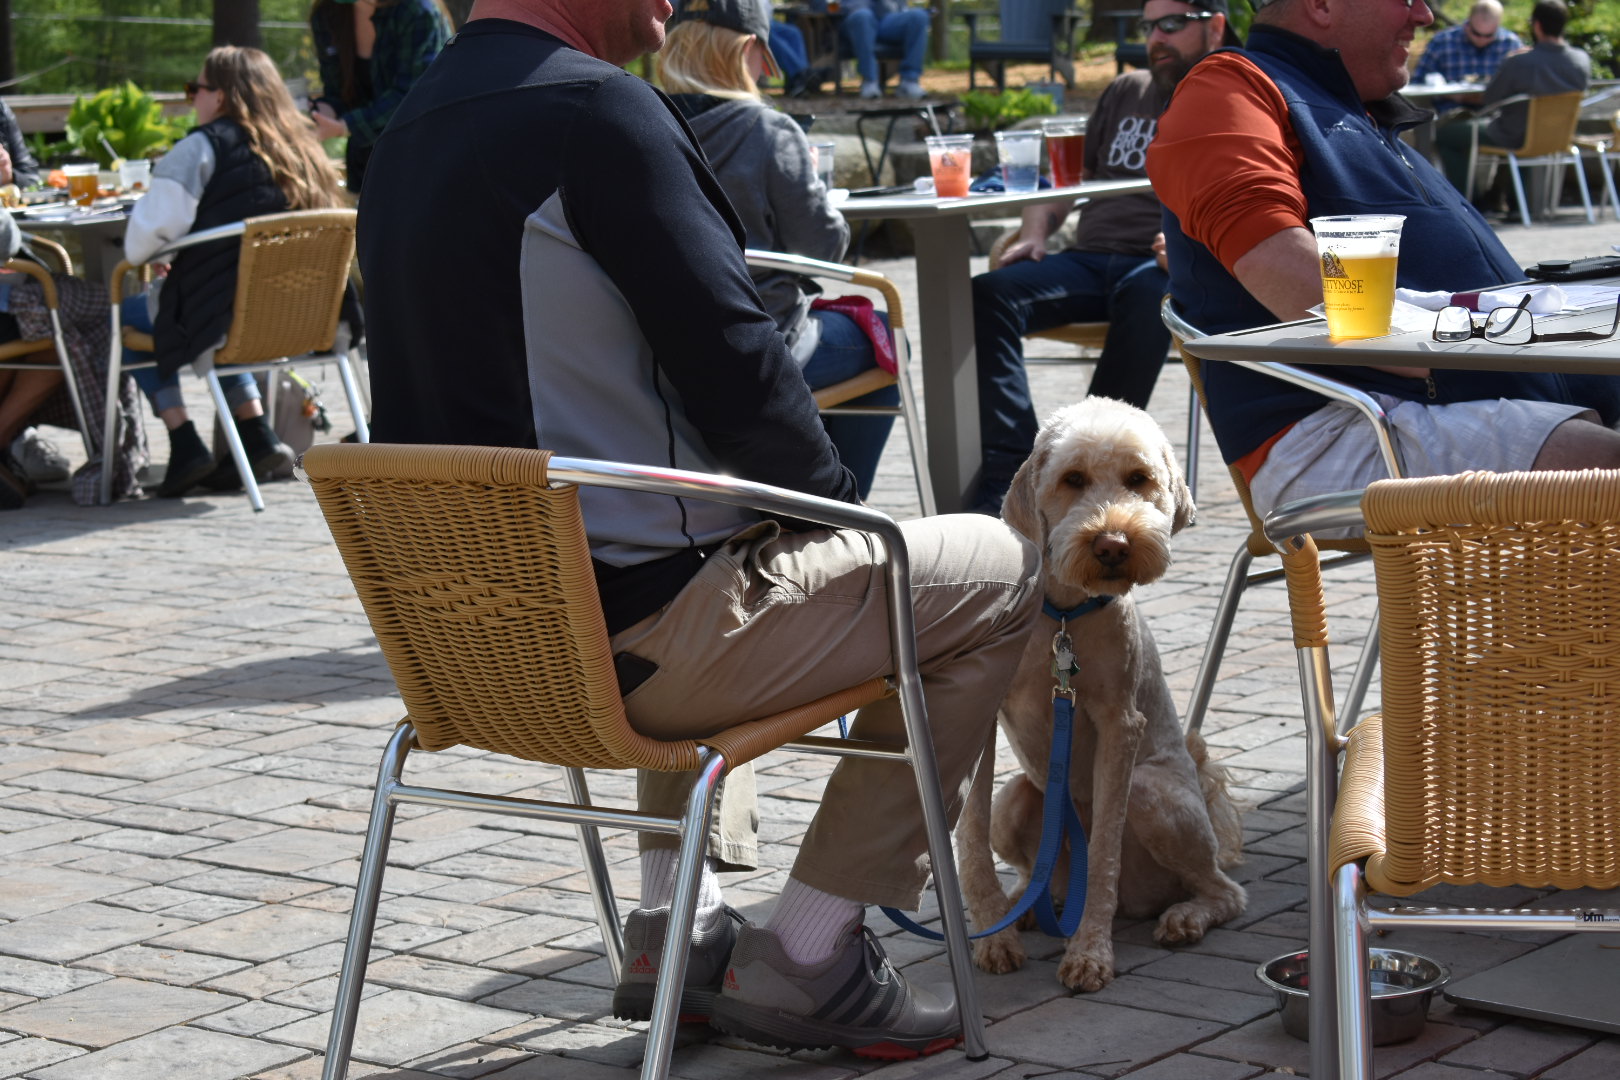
(1549, 127)
(476, 577)
(1501, 679)
(289, 285)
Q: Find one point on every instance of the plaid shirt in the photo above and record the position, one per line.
(1452, 54)
(410, 34)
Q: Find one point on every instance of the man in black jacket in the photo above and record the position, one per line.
(578, 283)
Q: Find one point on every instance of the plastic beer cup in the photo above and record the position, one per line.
(821, 157)
(1066, 148)
(82, 178)
(1358, 253)
(1020, 154)
(950, 157)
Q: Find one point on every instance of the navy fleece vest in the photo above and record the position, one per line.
(197, 299)
(1354, 164)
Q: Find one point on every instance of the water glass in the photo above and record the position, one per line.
(821, 157)
(1020, 154)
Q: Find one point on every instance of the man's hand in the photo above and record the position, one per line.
(5, 166)
(1023, 249)
(1159, 254)
(327, 123)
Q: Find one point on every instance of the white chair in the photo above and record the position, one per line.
(289, 295)
(832, 400)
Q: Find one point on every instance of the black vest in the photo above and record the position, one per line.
(194, 310)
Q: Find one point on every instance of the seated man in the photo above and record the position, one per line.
(1303, 123)
(1110, 274)
(867, 22)
(1548, 67)
(1468, 52)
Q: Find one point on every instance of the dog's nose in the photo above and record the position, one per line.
(1111, 549)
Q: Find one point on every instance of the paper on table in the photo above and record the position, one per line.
(1544, 299)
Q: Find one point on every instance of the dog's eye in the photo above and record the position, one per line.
(1075, 479)
(1137, 479)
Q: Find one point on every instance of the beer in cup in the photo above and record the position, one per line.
(1358, 254)
(1065, 148)
(1020, 153)
(951, 159)
(82, 180)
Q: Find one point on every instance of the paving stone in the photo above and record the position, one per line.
(1264, 1041)
(147, 842)
(24, 1055)
(250, 795)
(284, 851)
(593, 1042)
(470, 1060)
(262, 980)
(1526, 1048)
(207, 1055)
(1192, 1067)
(161, 965)
(440, 977)
(716, 1061)
(81, 930)
(1600, 1061)
(263, 933)
(556, 999)
(112, 738)
(401, 1025)
(556, 1067)
(404, 937)
(42, 889)
(33, 979)
(247, 885)
(463, 917)
(113, 1011)
(1075, 1033)
(252, 1018)
(503, 938)
(1184, 999)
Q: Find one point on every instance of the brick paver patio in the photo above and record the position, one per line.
(193, 711)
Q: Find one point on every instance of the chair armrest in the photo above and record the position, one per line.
(207, 236)
(39, 274)
(853, 275)
(1340, 510)
(1359, 831)
(1495, 107)
(64, 262)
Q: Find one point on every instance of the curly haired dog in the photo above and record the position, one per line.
(1101, 496)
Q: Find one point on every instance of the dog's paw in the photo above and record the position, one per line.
(1184, 923)
(999, 953)
(1087, 969)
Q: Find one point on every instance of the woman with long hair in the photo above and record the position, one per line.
(370, 52)
(251, 153)
(710, 64)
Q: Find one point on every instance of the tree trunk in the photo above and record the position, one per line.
(941, 29)
(8, 55)
(236, 22)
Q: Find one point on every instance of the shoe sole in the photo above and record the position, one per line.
(786, 1031)
(184, 482)
(635, 1002)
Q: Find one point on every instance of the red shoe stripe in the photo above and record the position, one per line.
(889, 1051)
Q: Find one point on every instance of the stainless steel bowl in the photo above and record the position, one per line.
(1402, 985)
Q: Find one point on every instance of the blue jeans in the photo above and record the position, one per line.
(787, 46)
(908, 29)
(1068, 287)
(163, 391)
(843, 352)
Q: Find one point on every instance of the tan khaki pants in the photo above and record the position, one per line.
(773, 620)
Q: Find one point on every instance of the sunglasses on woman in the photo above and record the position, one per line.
(195, 88)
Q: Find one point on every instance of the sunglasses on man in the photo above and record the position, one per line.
(1171, 24)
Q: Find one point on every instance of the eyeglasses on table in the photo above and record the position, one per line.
(1508, 326)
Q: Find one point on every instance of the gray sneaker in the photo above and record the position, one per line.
(644, 934)
(855, 1000)
(39, 458)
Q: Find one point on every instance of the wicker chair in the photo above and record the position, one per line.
(1497, 758)
(14, 354)
(1549, 142)
(1238, 576)
(1091, 337)
(832, 400)
(474, 570)
(289, 292)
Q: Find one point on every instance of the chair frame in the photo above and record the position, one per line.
(1058, 52)
(242, 329)
(13, 352)
(1539, 149)
(1604, 146)
(1238, 575)
(831, 400)
(1340, 920)
(324, 464)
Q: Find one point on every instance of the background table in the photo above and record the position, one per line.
(100, 236)
(944, 246)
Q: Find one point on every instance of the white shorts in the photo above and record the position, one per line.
(1333, 448)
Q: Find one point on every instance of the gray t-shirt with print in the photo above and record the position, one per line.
(1122, 125)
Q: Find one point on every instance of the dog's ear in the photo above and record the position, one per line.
(1185, 512)
(1021, 509)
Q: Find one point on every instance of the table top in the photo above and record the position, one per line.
(67, 216)
(1306, 342)
(1450, 89)
(932, 206)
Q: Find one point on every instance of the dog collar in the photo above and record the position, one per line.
(1085, 607)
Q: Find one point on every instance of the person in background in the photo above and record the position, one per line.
(251, 153)
(611, 314)
(17, 164)
(892, 22)
(1550, 66)
(1468, 52)
(370, 52)
(21, 392)
(1110, 274)
(711, 60)
(1304, 122)
(786, 43)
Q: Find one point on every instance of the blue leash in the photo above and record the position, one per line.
(1057, 808)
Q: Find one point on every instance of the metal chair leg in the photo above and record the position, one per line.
(596, 874)
(363, 918)
(1518, 190)
(919, 448)
(351, 389)
(1237, 580)
(227, 424)
(682, 914)
(1195, 428)
(1353, 986)
(113, 406)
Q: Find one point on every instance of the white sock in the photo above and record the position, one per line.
(810, 922)
(658, 886)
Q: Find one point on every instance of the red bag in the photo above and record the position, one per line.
(865, 315)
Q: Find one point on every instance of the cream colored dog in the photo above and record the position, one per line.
(1101, 496)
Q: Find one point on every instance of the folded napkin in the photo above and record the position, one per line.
(1544, 299)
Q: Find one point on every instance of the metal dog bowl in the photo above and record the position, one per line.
(1402, 985)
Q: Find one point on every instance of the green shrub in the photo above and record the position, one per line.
(1595, 28)
(989, 111)
(125, 118)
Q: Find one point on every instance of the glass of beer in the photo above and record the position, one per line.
(950, 157)
(82, 179)
(1065, 148)
(1358, 254)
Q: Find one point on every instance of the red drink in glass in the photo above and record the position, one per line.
(1066, 149)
